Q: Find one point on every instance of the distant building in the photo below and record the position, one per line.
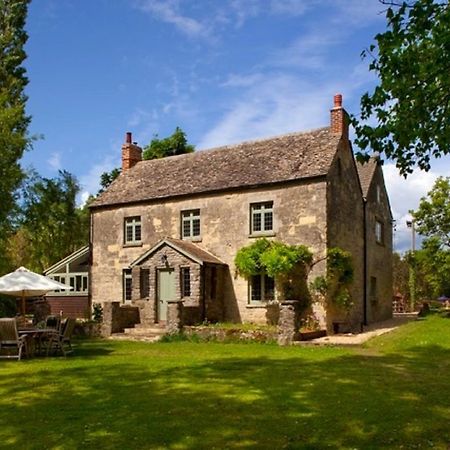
(74, 271)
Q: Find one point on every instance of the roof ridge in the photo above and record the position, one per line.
(228, 147)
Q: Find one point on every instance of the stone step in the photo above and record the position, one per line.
(153, 325)
(137, 338)
(148, 331)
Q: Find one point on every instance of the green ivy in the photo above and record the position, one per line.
(280, 259)
(335, 286)
(248, 259)
(272, 257)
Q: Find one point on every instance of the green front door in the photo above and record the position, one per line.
(166, 291)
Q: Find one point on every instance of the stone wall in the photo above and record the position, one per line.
(208, 333)
(117, 317)
(299, 218)
(345, 229)
(379, 255)
(289, 322)
(174, 317)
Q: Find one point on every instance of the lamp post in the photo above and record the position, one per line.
(412, 267)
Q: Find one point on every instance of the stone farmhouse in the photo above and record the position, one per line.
(169, 229)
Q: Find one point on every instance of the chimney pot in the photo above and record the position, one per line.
(339, 118)
(131, 153)
(338, 100)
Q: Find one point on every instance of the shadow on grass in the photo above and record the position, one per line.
(348, 401)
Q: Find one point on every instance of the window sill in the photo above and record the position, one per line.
(134, 244)
(193, 239)
(256, 306)
(265, 234)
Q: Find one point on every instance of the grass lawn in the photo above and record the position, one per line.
(393, 393)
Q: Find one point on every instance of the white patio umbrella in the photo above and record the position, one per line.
(25, 283)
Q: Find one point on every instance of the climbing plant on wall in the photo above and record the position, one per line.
(288, 264)
(335, 286)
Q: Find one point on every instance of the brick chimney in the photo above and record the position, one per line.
(339, 118)
(131, 153)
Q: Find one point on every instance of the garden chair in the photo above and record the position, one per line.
(10, 340)
(53, 322)
(59, 340)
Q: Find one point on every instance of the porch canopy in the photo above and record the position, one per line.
(24, 283)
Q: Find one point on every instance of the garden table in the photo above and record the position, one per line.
(35, 336)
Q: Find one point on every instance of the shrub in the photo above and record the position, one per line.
(97, 312)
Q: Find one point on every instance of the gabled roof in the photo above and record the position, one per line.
(186, 248)
(81, 252)
(366, 171)
(249, 164)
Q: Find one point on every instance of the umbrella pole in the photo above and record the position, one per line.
(23, 304)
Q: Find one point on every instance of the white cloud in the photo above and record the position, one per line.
(309, 51)
(144, 125)
(291, 7)
(90, 181)
(356, 13)
(242, 10)
(168, 11)
(140, 116)
(236, 80)
(405, 195)
(274, 105)
(55, 161)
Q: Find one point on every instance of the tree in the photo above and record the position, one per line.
(106, 178)
(176, 144)
(432, 266)
(14, 122)
(400, 275)
(433, 215)
(411, 104)
(51, 225)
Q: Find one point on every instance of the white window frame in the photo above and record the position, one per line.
(191, 218)
(134, 224)
(71, 278)
(261, 209)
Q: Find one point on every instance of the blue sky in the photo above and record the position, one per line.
(222, 70)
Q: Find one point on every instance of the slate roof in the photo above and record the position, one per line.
(187, 248)
(248, 164)
(366, 172)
